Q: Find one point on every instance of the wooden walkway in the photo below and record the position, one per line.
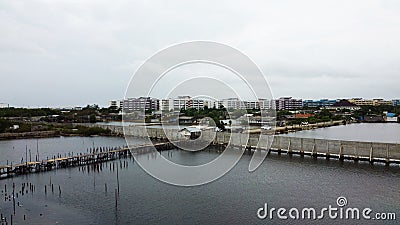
(353, 150)
(79, 159)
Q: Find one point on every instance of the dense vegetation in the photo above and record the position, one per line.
(5, 126)
(22, 112)
(86, 131)
(214, 113)
(378, 110)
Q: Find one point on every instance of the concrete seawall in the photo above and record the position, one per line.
(355, 150)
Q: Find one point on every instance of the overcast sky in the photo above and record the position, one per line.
(75, 52)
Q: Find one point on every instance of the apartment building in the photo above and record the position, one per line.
(141, 103)
(288, 103)
(116, 104)
(186, 102)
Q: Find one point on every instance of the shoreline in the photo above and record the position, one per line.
(45, 134)
(57, 133)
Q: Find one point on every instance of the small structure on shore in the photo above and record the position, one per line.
(390, 117)
(190, 132)
(373, 118)
(186, 120)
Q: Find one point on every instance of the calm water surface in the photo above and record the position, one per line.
(281, 181)
(15, 150)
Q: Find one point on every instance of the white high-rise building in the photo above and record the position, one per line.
(186, 102)
(234, 103)
(264, 103)
(166, 104)
(116, 104)
(4, 105)
(182, 102)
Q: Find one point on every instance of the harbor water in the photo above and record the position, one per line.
(89, 194)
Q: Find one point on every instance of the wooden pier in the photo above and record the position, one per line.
(99, 156)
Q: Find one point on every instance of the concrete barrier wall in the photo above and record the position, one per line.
(355, 149)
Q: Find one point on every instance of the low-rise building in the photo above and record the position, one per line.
(4, 105)
(344, 104)
(361, 101)
(318, 103)
(373, 102)
(303, 115)
(378, 102)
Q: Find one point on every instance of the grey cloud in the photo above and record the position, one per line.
(78, 52)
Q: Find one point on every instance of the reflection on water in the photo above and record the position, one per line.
(88, 192)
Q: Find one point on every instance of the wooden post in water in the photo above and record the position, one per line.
(118, 179)
(26, 155)
(301, 147)
(116, 199)
(371, 153)
(356, 152)
(387, 154)
(37, 149)
(13, 196)
(327, 150)
(313, 153)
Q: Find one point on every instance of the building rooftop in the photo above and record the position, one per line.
(343, 103)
